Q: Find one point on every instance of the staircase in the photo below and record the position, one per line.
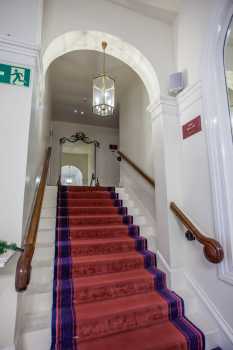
(113, 294)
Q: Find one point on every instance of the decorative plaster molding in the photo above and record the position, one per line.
(19, 52)
(164, 105)
(189, 96)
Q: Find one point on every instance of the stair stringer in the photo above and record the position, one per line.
(198, 306)
(141, 216)
(36, 302)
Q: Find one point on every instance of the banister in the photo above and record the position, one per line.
(23, 269)
(137, 169)
(213, 250)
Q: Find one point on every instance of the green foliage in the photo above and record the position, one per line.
(4, 246)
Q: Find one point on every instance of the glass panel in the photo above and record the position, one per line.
(228, 62)
(103, 95)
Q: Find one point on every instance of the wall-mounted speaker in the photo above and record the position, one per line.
(176, 83)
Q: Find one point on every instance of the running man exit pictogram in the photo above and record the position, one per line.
(13, 75)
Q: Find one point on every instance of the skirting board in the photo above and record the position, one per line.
(178, 278)
(222, 323)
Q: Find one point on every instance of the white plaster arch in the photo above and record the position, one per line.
(91, 40)
(218, 133)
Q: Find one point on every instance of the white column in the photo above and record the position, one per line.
(166, 153)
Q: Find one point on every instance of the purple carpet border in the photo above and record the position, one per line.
(62, 311)
(193, 335)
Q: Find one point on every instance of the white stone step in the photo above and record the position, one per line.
(133, 211)
(208, 327)
(38, 287)
(139, 220)
(43, 252)
(48, 212)
(35, 303)
(45, 236)
(36, 340)
(36, 321)
(41, 274)
(47, 224)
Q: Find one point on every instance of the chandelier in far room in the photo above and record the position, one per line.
(103, 91)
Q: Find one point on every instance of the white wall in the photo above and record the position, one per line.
(107, 167)
(38, 139)
(22, 139)
(192, 35)
(190, 32)
(136, 126)
(136, 143)
(21, 21)
(146, 34)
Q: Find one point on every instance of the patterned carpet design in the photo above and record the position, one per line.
(107, 290)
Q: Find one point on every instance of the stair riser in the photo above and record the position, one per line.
(45, 236)
(86, 189)
(91, 203)
(89, 195)
(48, 213)
(103, 267)
(37, 302)
(94, 211)
(47, 224)
(121, 322)
(113, 290)
(43, 274)
(100, 249)
(118, 220)
(102, 232)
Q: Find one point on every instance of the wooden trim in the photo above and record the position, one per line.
(23, 269)
(213, 250)
(137, 169)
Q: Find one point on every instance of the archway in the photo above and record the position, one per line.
(71, 176)
(90, 40)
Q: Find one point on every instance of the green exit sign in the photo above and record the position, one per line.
(14, 75)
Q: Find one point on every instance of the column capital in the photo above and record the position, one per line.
(163, 105)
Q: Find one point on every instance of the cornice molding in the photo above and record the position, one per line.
(19, 52)
(164, 105)
(189, 96)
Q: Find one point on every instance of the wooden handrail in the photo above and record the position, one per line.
(135, 167)
(213, 250)
(23, 269)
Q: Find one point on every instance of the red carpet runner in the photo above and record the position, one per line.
(108, 293)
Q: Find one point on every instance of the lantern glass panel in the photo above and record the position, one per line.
(103, 95)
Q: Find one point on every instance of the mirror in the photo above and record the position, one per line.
(228, 63)
(78, 160)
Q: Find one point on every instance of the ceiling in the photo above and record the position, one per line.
(165, 10)
(71, 86)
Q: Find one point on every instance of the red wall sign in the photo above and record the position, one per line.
(192, 127)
